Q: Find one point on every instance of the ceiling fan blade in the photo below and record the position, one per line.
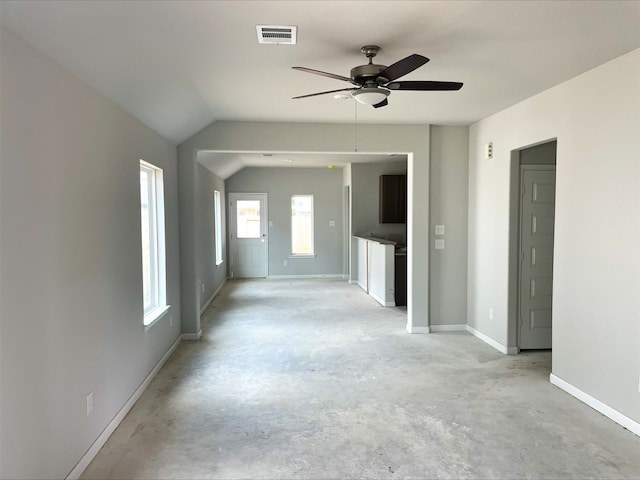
(383, 103)
(424, 86)
(402, 67)
(324, 74)
(324, 93)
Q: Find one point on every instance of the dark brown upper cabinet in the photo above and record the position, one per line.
(393, 199)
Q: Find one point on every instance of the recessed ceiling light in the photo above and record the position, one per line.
(342, 96)
(288, 160)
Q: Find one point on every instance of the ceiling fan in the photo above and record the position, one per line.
(373, 83)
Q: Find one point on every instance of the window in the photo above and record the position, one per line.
(217, 212)
(153, 249)
(248, 219)
(302, 225)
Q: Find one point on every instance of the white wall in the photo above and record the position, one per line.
(286, 137)
(280, 183)
(596, 305)
(71, 281)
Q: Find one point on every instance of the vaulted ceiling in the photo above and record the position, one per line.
(179, 65)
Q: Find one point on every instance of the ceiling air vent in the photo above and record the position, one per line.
(276, 34)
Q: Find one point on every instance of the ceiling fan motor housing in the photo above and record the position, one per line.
(367, 75)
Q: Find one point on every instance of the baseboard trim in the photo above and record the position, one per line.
(596, 404)
(412, 329)
(212, 297)
(381, 301)
(285, 277)
(191, 337)
(462, 327)
(113, 424)
(490, 341)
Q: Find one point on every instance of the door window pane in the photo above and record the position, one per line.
(248, 219)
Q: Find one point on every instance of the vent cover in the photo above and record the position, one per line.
(276, 34)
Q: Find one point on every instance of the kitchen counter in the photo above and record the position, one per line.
(381, 241)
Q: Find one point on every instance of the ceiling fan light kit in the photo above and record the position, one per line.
(370, 96)
(373, 83)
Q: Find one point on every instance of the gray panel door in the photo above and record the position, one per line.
(248, 235)
(536, 246)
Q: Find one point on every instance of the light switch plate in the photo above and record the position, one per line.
(440, 244)
(488, 151)
(439, 229)
(332, 223)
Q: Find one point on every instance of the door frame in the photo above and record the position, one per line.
(234, 196)
(513, 307)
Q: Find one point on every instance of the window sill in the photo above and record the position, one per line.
(154, 315)
(293, 255)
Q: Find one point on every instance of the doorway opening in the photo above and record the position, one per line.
(532, 214)
(226, 164)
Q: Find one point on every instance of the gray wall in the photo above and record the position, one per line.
(280, 183)
(365, 197)
(596, 319)
(448, 207)
(71, 275)
(210, 276)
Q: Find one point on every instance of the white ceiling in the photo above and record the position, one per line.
(179, 65)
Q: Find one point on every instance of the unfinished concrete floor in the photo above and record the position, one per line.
(313, 379)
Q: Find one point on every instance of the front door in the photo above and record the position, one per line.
(536, 252)
(248, 235)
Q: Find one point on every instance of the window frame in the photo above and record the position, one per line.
(157, 307)
(217, 227)
(311, 254)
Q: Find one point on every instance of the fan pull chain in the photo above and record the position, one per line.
(355, 145)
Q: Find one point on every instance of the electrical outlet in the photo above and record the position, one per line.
(491, 314)
(284, 263)
(439, 229)
(440, 244)
(332, 223)
(89, 403)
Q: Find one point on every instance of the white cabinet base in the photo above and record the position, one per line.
(376, 270)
